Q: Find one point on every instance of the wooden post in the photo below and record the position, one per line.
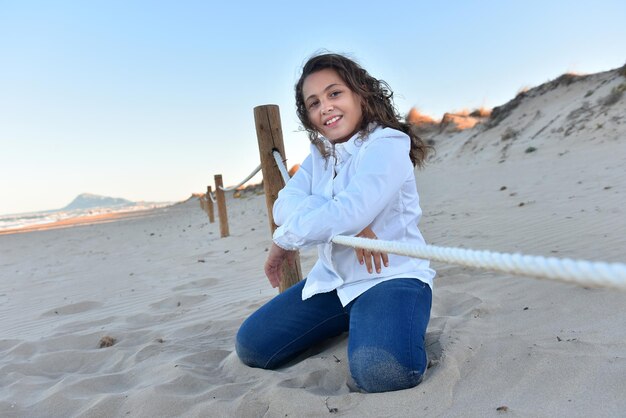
(270, 137)
(201, 202)
(221, 206)
(209, 205)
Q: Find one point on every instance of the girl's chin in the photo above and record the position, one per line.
(336, 136)
(338, 140)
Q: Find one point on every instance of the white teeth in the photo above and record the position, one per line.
(333, 120)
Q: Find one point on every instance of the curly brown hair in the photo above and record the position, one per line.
(376, 98)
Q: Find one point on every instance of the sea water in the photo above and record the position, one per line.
(22, 220)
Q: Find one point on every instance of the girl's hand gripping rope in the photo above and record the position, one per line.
(366, 256)
(274, 263)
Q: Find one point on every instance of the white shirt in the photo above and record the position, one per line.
(367, 182)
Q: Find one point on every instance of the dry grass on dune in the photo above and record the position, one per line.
(451, 121)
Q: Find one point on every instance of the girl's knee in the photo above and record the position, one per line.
(248, 348)
(376, 370)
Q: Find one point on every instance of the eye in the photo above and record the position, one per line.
(335, 93)
(313, 104)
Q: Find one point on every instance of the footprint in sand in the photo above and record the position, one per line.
(73, 308)
(182, 301)
(206, 358)
(196, 284)
(325, 382)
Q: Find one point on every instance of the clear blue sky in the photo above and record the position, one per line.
(147, 100)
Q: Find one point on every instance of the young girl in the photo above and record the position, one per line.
(358, 180)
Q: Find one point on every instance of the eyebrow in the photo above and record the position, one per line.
(330, 86)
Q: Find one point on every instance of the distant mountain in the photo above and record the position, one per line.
(87, 200)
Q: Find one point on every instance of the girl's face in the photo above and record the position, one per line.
(333, 109)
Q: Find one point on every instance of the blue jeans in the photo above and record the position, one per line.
(386, 325)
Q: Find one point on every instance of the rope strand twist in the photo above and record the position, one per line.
(228, 189)
(281, 166)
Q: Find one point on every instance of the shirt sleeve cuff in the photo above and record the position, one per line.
(283, 246)
(281, 238)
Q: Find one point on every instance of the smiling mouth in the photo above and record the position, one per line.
(332, 120)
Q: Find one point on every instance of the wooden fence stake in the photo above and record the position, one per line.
(270, 137)
(209, 205)
(221, 206)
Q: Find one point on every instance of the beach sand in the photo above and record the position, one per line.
(172, 293)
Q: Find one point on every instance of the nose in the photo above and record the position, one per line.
(327, 108)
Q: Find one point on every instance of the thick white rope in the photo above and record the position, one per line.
(228, 189)
(212, 196)
(281, 166)
(576, 271)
